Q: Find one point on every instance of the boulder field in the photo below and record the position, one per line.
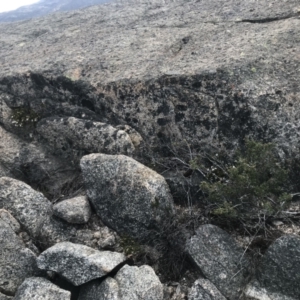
(103, 112)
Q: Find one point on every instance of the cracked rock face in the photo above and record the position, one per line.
(76, 210)
(77, 263)
(220, 259)
(16, 261)
(41, 289)
(128, 197)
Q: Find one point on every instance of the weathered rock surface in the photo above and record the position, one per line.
(69, 134)
(139, 283)
(16, 261)
(130, 283)
(203, 289)
(6, 217)
(77, 263)
(278, 273)
(171, 70)
(76, 210)
(128, 197)
(107, 289)
(41, 289)
(34, 212)
(220, 259)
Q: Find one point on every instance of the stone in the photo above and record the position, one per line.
(68, 134)
(41, 289)
(76, 210)
(130, 283)
(6, 217)
(203, 289)
(16, 261)
(139, 283)
(4, 297)
(128, 197)
(278, 272)
(34, 212)
(220, 259)
(78, 263)
(94, 290)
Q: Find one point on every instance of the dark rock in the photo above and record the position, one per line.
(76, 210)
(77, 263)
(128, 197)
(68, 134)
(4, 297)
(220, 259)
(203, 289)
(41, 289)
(278, 272)
(16, 261)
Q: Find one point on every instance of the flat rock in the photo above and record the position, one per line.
(278, 272)
(77, 263)
(76, 210)
(203, 289)
(220, 259)
(68, 134)
(130, 283)
(129, 197)
(16, 261)
(41, 289)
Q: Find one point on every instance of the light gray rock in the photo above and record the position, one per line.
(34, 212)
(129, 197)
(10, 220)
(203, 289)
(76, 210)
(278, 272)
(28, 206)
(16, 261)
(77, 263)
(137, 283)
(38, 288)
(65, 134)
(130, 283)
(107, 289)
(220, 259)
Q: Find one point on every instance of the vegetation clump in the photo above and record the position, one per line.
(24, 116)
(255, 185)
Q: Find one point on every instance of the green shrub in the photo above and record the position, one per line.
(256, 184)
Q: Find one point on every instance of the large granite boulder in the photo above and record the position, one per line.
(78, 263)
(128, 196)
(41, 289)
(75, 210)
(220, 259)
(278, 273)
(68, 134)
(16, 261)
(130, 283)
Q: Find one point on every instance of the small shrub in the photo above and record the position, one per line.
(256, 184)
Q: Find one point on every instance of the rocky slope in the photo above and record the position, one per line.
(45, 7)
(95, 103)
